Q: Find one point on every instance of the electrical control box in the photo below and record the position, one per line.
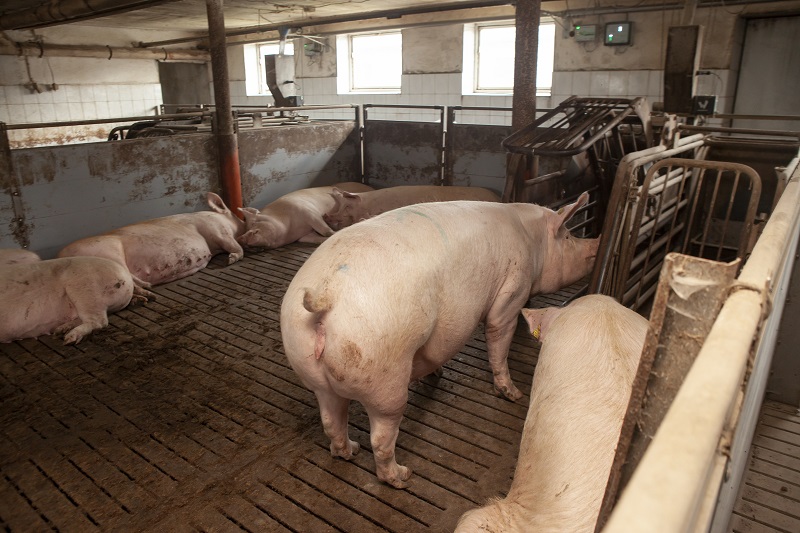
(617, 33)
(585, 32)
(704, 105)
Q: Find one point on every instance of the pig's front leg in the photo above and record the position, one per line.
(319, 225)
(226, 241)
(499, 333)
(312, 237)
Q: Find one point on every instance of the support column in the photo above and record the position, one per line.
(227, 142)
(523, 110)
(526, 48)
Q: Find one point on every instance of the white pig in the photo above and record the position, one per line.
(581, 388)
(391, 299)
(351, 207)
(13, 256)
(296, 216)
(167, 248)
(70, 296)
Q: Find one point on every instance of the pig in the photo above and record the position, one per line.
(69, 296)
(351, 207)
(13, 256)
(168, 248)
(391, 299)
(293, 217)
(581, 387)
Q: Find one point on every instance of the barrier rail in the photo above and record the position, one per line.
(676, 486)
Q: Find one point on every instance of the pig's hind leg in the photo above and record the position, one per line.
(333, 411)
(88, 322)
(92, 312)
(384, 422)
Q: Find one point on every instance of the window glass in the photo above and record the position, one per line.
(376, 61)
(492, 65)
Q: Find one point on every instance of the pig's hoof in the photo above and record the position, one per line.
(399, 481)
(509, 391)
(347, 454)
(232, 258)
(72, 338)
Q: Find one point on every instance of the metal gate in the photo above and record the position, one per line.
(668, 204)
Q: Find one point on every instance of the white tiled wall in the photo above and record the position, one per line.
(608, 83)
(77, 102)
(445, 89)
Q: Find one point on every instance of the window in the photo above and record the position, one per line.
(369, 63)
(255, 75)
(489, 58)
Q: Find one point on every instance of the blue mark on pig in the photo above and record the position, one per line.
(343, 268)
(402, 212)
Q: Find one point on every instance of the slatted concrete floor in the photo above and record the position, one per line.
(184, 415)
(769, 500)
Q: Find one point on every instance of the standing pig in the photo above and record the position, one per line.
(296, 216)
(13, 256)
(391, 299)
(70, 295)
(581, 388)
(351, 207)
(167, 248)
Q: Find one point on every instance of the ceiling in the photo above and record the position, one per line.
(190, 15)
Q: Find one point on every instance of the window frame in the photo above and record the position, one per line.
(471, 63)
(345, 79)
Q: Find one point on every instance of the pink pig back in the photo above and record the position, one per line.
(579, 396)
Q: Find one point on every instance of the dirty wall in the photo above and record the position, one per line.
(51, 196)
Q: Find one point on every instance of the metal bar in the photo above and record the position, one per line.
(545, 177)
(677, 471)
(227, 142)
(728, 215)
(176, 116)
(102, 52)
(358, 17)
(695, 194)
(720, 129)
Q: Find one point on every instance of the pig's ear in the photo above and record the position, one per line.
(336, 194)
(564, 214)
(539, 320)
(534, 319)
(250, 214)
(216, 203)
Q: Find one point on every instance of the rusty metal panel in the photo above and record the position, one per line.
(402, 153)
(74, 191)
(475, 156)
(281, 159)
(688, 299)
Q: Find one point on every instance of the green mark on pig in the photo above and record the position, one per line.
(343, 268)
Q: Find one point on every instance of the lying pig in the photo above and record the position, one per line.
(391, 299)
(293, 217)
(350, 207)
(70, 296)
(581, 387)
(13, 256)
(167, 248)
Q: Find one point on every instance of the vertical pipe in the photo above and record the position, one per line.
(526, 48)
(227, 143)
